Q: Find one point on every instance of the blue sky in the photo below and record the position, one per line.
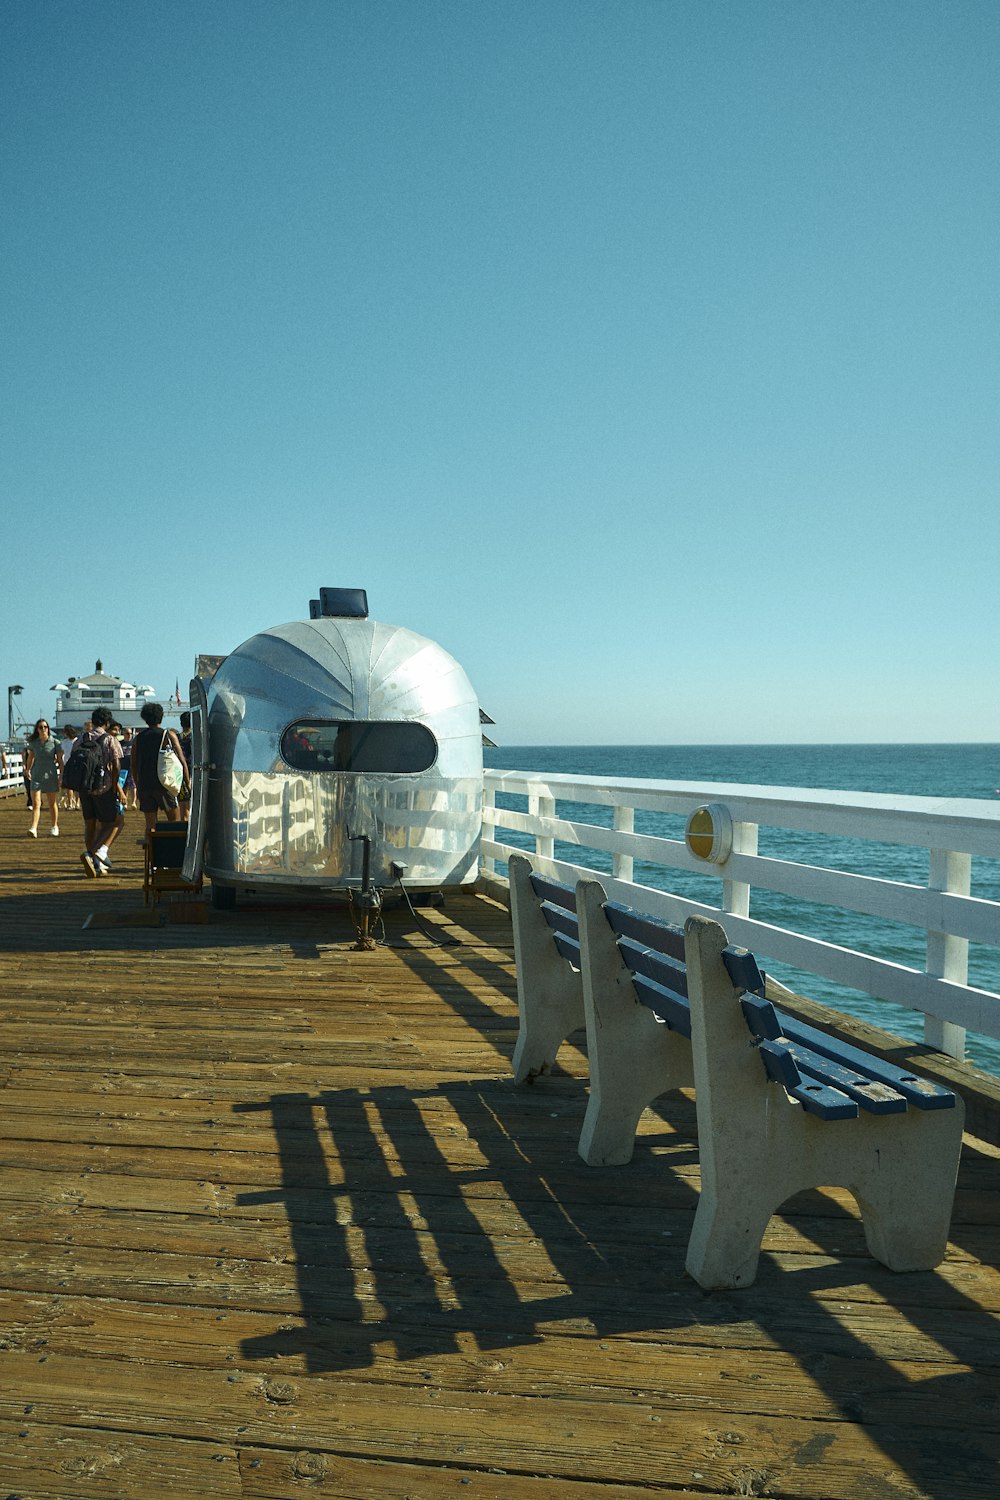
(644, 354)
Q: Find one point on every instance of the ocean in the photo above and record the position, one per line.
(915, 770)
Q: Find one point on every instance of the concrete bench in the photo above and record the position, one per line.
(781, 1106)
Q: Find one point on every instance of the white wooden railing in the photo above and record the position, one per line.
(14, 773)
(951, 831)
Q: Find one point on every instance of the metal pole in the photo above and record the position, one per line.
(12, 693)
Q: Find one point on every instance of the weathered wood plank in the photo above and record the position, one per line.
(275, 1474)
(761, 1382)
(576, 1438)
(46, 1461)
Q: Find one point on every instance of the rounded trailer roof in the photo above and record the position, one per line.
(356, 667)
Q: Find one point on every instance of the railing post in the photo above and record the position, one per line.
(736, 893)
(489, 864)
(543, 807)
(948, 956)
(624, 822)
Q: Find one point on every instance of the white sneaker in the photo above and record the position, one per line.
(55, 833)
(32, 833)
(103, 865)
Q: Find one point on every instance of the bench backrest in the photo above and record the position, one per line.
(830, 1078)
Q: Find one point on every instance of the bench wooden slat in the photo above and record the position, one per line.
(743, 969)
(762, 1018)
(765, 1020)
(654, 965)
(876, 1098)
(920, 1092)
(561, 920)
(818, 1098)
(569, 947)
(666, 1004)
(554, 891)
(648, 931)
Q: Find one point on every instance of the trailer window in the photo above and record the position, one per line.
(373, 747)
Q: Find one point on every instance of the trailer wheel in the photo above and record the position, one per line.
(223, 897)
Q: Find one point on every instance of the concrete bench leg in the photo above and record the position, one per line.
(758, 1147)
(906, 1192)
(633, 1057)
(549, 992)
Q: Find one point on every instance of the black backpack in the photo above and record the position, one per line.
(85, 771)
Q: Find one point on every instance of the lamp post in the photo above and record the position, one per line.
(60, 688)
(13, 692)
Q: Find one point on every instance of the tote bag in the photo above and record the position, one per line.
(168, 768)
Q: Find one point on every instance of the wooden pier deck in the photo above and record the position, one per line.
(276, 1223)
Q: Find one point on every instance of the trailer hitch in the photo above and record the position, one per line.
(366, 904)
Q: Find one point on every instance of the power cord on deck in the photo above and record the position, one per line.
(443, 940)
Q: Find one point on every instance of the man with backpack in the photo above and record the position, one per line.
(92, 772)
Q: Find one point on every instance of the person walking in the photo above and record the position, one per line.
(184, 800)
(101, 820)
(128, 740)
(69, 799)
(43, 764)
(153, 798)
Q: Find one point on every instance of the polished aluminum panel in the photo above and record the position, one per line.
(269, 823)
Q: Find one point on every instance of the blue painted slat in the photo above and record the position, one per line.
(669, 1006)
(762, 1018)
(653, 965)
(742, 968)
(920, 1092)
(560, 919)
(650, 933)
(554, 891)
(765, 1020)
(568, 947)
(875, 1098)
(818, 1098)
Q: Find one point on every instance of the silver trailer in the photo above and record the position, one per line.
(334, 753)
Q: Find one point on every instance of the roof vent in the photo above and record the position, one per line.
(351, 604)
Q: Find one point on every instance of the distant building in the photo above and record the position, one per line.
(77, 699)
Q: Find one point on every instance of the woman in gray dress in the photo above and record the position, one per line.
(43, 763)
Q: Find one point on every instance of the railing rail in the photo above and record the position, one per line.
(14, 774)
(952, 831)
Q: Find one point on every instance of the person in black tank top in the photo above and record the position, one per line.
(154, 800)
